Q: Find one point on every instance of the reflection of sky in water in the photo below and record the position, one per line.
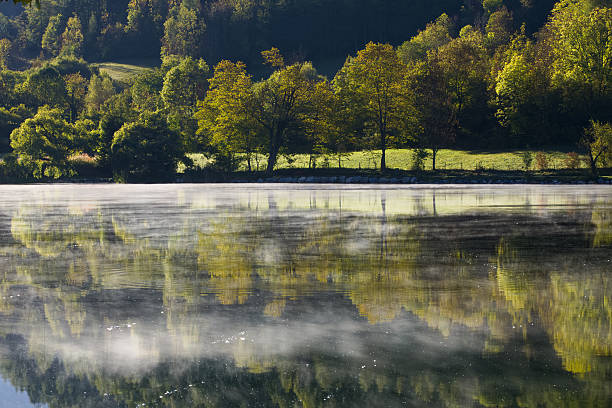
(11, 398)
(426, 296)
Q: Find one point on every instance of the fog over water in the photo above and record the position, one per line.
(305, 295)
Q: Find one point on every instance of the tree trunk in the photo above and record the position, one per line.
(249, 162)
(383, 148)
(434, 152)
(593, 163)
(273, 153)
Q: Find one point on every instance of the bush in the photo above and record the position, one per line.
(527, 158)
(45, 142)
(541, 161)
(597, 140)
(572, 160)
(418, 159)
(146, 150)
(11, 170)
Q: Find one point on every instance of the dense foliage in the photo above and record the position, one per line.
(496, 74)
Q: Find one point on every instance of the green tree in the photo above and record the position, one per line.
(146, 90)
(499, 28)
(9, 120)
(597, 140)
(146, 150)
(281, 103)
(183, 86)
(435, 111)
(5, 52)
(435, 35)
(45, 143)
(223, 117)
(72, 38)
(583, 46)
(464, 66)
(183, 31)
(52, 37)
(76, 88)
(374, 84)
(522, 90)
(99, 90)
(326, 127)
(114, 113)
(45, 86)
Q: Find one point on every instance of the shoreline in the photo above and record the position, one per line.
(338, 181)
(350, 176)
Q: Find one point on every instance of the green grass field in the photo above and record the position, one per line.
(402, 159)
(125, 70)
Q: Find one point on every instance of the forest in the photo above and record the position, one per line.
(237, 80)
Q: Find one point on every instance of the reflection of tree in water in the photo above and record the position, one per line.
(483, 285)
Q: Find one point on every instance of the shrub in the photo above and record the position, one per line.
(45, 142)
(146, 150)
(527, 158)
(597, 140)
(572, 160)
(11, 170)
(541, 161)
(418, 159)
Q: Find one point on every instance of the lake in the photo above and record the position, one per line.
(305, 295)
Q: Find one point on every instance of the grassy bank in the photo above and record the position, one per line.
(401, 159)
(454, 166)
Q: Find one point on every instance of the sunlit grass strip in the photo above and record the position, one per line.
(402, 159)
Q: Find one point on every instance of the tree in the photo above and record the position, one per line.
(5, 52)
(99, 90)
(72, 38)
(464, 67)
(223, 117)
(146, 150)
(146, 90)
(435, 35)
(435, 113)
(76, 88)
(374, 83)
(183, 86)
(499, 28)
(45, 86)
(52, 38)
(115, 112)
(522, 92)
(9, 121)
(326, 126)
(583, 46)
(281, 103)
(597, 140)
(183, 31)
(45, 143)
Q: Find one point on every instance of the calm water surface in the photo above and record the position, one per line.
(279, 295)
